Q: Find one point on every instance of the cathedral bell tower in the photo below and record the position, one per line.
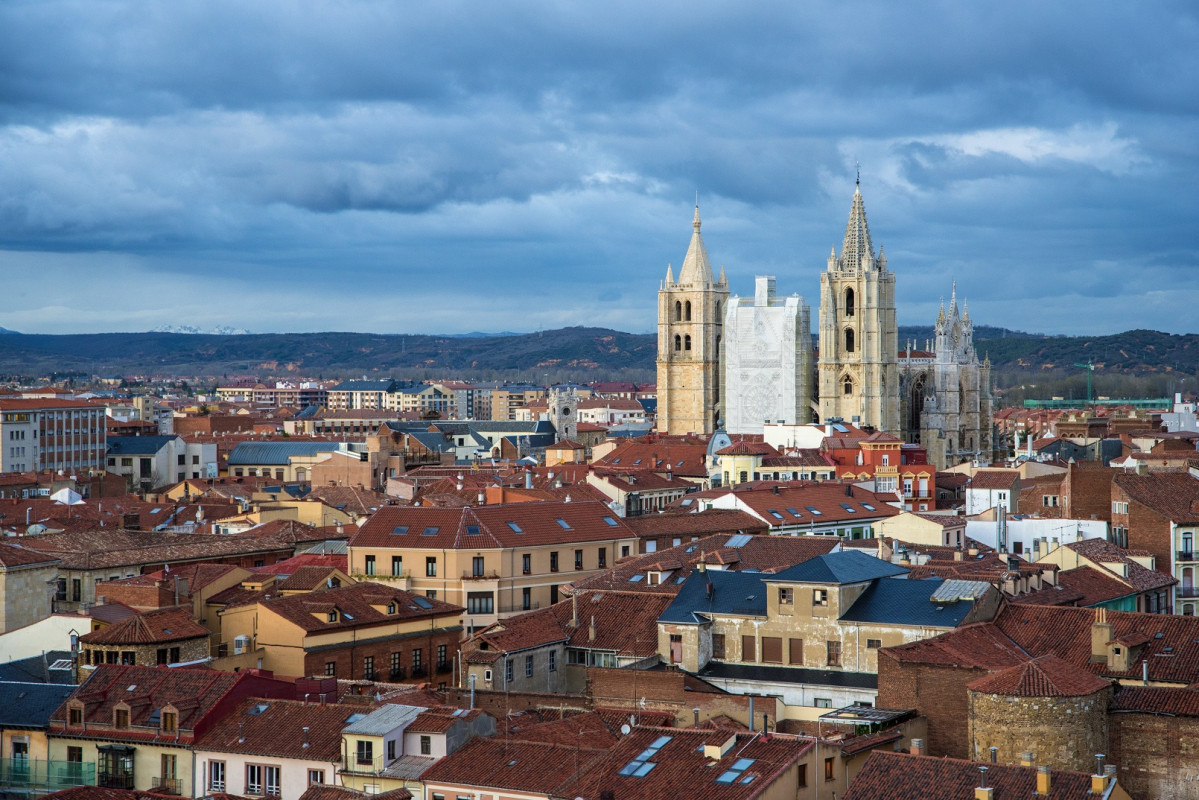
(858, 368)
(690, 312)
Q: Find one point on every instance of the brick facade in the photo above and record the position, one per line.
(1087, 492)
(349, 659)
(938, 693)
(1156, 755)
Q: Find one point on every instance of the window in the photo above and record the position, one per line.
(603, 557)
(508, 671)
(368, 667)
(121, 718)
(687, 342)
(849, 340)
(718, 645)
(75, 716)
(748, 649)
(528, 666)
(678, 343)
(526, 598)
(553, 561)
(395, 665)
(526, 563)
(849, 302)
(873, 644)
(578, 559)
(834, 654)
(216, 776)
(170, 722)
(553, 661)
(272, 781)
(820, 597)
(847, 387)
(366, 751)
(426, 745)
(417, 660)
(316, 776)
(431, 566)
(391, 750)
(803, 775)
(772, 650)
(795, 651)
(253, 779)
(370, 565)
(476, 566)
(786, 596)
(480, 603)
(331, 668)
(828, 768)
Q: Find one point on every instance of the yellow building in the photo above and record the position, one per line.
(493, 560)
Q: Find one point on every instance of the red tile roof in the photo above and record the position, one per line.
(275, 728)
(1047, 676)
(326, 791)
(491, 526)
(355, 607)
(902, 776)
(705, 523)
(744, 448)
(994, 479)
(540, 767)
(15, 554)
(153, 627)
(1157, 700)
(1174, 495)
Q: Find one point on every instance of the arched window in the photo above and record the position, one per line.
(847, 388)
(849, 302)
(678, 343)
(687, 342)
(849, 340)
(687, 312)
(678, 311)
(718, 310)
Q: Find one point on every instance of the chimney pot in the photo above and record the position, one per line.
(917, 748)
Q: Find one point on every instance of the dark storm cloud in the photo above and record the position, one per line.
(465, 153)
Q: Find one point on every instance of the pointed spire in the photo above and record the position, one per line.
(941, 315)
(669, 274)
(857, 246)
(965, 311)
(696, 267)
(953, 300)
(723, 279)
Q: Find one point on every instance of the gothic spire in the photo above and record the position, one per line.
(669, 274)
(696, 267)
(857, 246)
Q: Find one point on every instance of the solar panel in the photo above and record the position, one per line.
(740, 540)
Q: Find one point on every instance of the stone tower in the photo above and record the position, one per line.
(858, 368)
(689, 328)
(563, 412)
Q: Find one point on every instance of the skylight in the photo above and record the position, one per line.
(793, 512)
(430, 531)
(730, 775)
(515, 527)
(641, 766)
(774, 513)
(816, 512)
(849, 508)
(867, 506)
(616, 461)
(611, 522)
(636, 578)
(472, 530)
(635, 463)
(563, 524)
(258, 709)
(400, 530)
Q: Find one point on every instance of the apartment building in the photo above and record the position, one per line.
(51, 434)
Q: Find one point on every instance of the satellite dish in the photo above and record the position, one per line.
(625, 729)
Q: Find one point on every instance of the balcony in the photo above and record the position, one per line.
(486, 575)
(37, 776)
(1187, 591)
(1185, 555)
(115, 780)
(362, 766)
(167, 785)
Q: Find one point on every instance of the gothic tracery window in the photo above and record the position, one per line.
(849, 342)
(678, 342)
(849, 302)
(687, 312)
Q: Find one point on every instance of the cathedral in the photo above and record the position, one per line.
(744, 362)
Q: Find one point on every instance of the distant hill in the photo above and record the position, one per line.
(566, 354)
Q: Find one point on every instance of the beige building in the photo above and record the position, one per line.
(27, 580)
(690, 312)
(944, 530)
(493, 560)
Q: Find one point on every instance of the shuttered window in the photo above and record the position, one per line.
(795, 651)
(749, 651)
(772, 650)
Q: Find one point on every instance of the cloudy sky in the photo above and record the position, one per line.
(452, 166)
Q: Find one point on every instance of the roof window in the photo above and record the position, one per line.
(816, 512)
(399, 530)
(472, 530)
(515, 528)
(611, 522)
(430, 531)
(729, 776)
(849, 508)
(774, 513)
(563, 524)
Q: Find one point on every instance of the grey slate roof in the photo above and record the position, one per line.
(732, 593)
(29, 705)
(275, 453)
(906, 602)
(848, 566)
(384, 719)
(137, 445)
(364, 386)
(763, 672)
(36, 669)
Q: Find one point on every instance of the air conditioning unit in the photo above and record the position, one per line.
(240, 645)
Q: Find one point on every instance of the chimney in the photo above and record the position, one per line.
(241, 732)
(1102, 778)
(574, 609)
(1101, 634)
(958, 555)
(528, 479)
(695, 711)
(305, 729)
(1026, 759)
(994, 754)
(917, 747)
(775, 488)
(983, 792)
(1044, 781)
(591, 630)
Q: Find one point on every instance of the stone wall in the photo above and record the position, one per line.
(1062, 732)
(936, 692)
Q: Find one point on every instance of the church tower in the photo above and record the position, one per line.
(689, 327)
(858, 368)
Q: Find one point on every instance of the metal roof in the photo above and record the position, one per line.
(732, 593)
(384, 720)
(137, 445)
(907, 602)
(275, 453)
(846, 566)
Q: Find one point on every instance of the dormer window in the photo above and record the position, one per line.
(391, 608)
(333, 615)
(170, 721)
(75, 715)
(120, 718)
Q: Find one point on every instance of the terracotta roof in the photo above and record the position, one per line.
(441, 719)
(789, 505)
(1047, 676)
(153, 627)
(685, 456)
(744, 448)
(1174, 495)
(268, 727)
(993, 479)
(17, 555)
(539, 767)
(98, 548)
(491, 526)
(197, 575)
(327, 791)
(355, 607)
(306, 578)
(902, 776)
(1157, 700)
(686, 523)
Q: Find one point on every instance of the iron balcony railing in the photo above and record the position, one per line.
(167, 785)
(1186, 555)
